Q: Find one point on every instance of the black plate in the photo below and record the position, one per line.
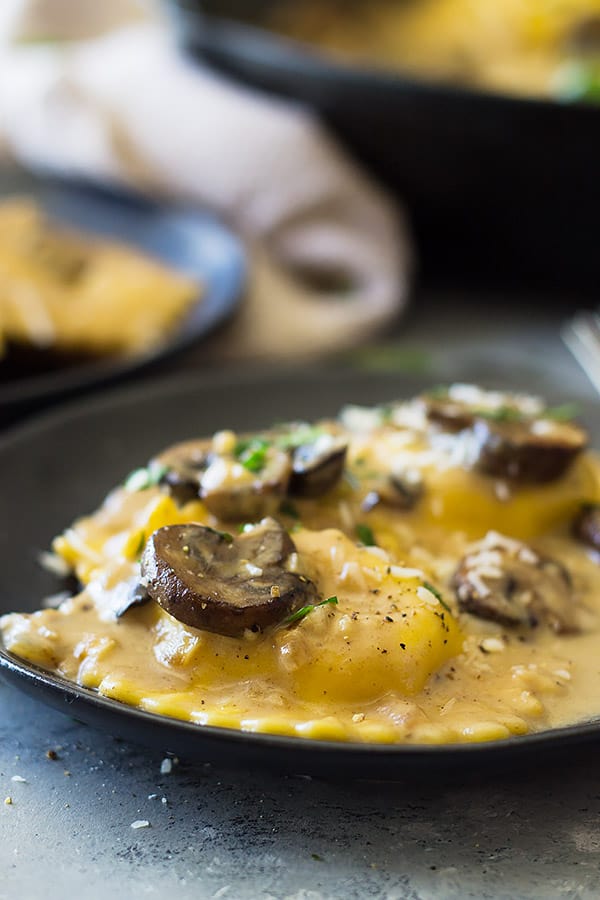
(499, 187)
(190, 241)
(62, 466)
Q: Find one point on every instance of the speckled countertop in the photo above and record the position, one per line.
(211, 833)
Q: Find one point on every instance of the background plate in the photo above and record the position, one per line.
(63, 464)
(189, 240)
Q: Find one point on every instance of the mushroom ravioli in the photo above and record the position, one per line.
(424, 571)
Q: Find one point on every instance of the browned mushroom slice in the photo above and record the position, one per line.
(507, 582)
(241, 483)
(184, 464)
(529, 451)
(586, 526)
(400, 490)
(214, 582)
(513, 437)
(236, 489)
(450, 415)
(317, 467)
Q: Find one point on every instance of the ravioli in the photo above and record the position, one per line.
(420, 572)
(72, 294)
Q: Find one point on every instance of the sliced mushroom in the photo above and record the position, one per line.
(318, 466)
(222, 584)
(511, 440)
(234, 493)
(185, 464)
(587, 526)
(450, 415)
(532, 452)
(507, 582)
(400, 490)
(231, 487)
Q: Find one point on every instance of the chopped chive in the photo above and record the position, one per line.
(562, 413)
(306, 610)
(299, 436)
(140, 545)
(433, 590)
(500, 414)
(386, 412)
(245, 526)
(224, 535)
(252, 453)
(392, 358)
(578, 80)
(146, 477)
(438, 392)
(351, 479)
(365, 535)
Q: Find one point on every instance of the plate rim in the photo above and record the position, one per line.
(461, 752)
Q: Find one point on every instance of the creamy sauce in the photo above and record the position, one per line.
(393, 661)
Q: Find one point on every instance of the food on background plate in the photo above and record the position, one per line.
(537, 48)
(420, 572)
(66, 296)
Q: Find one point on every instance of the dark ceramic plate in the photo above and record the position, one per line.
(498, 187)
(62, 466)
(188, 240)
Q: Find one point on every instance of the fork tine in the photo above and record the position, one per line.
(582, 336)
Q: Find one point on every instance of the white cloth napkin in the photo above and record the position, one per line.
(100, 90)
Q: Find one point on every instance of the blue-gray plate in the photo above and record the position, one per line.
(188, 240)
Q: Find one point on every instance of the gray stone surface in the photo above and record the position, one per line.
(241, 835)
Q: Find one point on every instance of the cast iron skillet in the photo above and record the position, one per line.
(189, 240)
(498, 187)
(62, 465)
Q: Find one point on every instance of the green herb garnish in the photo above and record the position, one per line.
(500, 414)
(137, 553)
(306, 610)
(578, 80)
(392, 358)
(351, 479)
(150, 476)
(365, 535)
(433, 590)
(438, 392)
(224, 535)
(299, 437)
(252, 453)
(386, 411)
(565, 412)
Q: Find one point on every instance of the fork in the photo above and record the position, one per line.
(581, 335)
